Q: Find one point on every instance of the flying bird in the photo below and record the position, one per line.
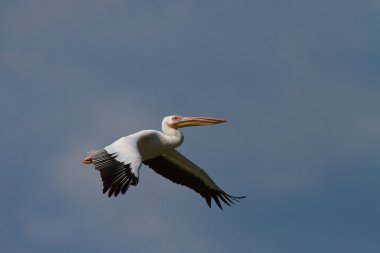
(119, 163)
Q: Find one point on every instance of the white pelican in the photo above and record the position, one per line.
(120, 162)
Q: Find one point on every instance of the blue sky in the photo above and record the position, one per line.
(299, 82)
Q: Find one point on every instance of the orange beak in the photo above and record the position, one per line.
(196, 121)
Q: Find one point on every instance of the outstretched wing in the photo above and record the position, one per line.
(116, 176)
(180, 170)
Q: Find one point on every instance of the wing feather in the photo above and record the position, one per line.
(116, 176)
(177, 168)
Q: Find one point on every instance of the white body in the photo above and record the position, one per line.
(119, 163)
(144, 145)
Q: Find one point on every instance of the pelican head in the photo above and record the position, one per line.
(177, 121)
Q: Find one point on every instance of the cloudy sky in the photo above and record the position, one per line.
(299, 82)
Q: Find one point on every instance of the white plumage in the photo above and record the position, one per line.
(119, 163)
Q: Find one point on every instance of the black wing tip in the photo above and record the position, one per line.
(225, 197)
(116, 176)
(234, 199)
(208, 201)
(216, 199)
(119, 187)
